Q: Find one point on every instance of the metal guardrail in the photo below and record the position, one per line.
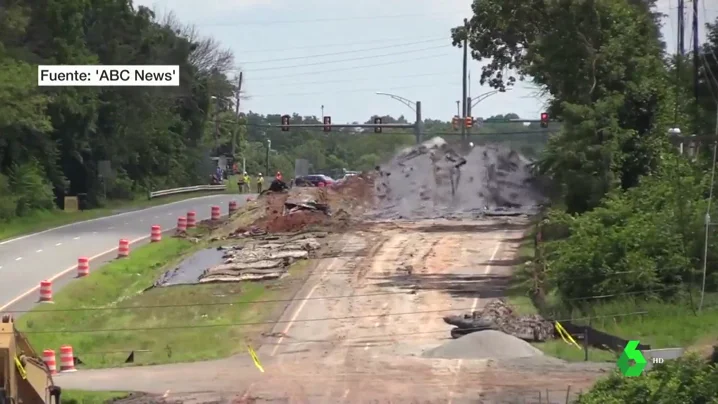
(184, 190)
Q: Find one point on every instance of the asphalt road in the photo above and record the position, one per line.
(28, 260)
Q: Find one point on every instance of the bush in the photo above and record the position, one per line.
(685, 380)
(31, 188)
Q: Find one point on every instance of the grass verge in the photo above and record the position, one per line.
(162, 325)
(43, 220)
(665, 324)
(91, 397)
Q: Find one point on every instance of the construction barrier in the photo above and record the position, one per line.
(46, 291)
(181, 224)
(232, 207)
(124, 250)
(191, 219)
(67, 359)
(216, 212)
(156, 234)
(83, 267)
(48, 357)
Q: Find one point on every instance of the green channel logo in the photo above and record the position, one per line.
(631, 353)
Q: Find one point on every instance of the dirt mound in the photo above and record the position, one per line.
(325, 208)
(484, 345)
(418, 182)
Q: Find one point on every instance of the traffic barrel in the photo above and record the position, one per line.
(67, 359)
(48, 357)
(191, 219)
(216, 212)
(46, 292)
(181, 224)
(156, 234)
(83, 267)
(232, 207)
(124, 250)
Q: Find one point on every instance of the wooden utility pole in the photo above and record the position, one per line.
(464, 78)
(237, 97)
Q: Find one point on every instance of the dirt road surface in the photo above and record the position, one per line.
(357, 329)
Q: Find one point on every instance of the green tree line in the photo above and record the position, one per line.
(630, 216)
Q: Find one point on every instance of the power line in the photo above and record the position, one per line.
(324, 298)
(333, 19)
(242, 324)
(358, 90)
(353, 80)
(347, 60)
(346, 52)
(329, 45)
(396, 62)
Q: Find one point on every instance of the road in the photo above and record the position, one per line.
(368, 348)
(27, 260)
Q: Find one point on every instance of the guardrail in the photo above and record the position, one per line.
(185, 190)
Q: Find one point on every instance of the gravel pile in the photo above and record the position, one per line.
(487, 344)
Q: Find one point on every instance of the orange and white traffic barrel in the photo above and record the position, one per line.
(216, 212)
(156, 234)
(124, 249)
(67, 359)
(181, 224)
(46, 291)
(83, 267)
(48, 357)
(232, 207)
(191, 219)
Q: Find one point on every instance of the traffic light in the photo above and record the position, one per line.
(327, 124)
(469, 122)
(455, 122)
(544, 120)
(377, 121)
(285, 123)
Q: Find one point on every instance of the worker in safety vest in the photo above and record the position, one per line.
(246, 180)
(260, 183)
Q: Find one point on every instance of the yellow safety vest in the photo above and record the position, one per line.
(260, 180)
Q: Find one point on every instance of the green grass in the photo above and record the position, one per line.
(665, 324)
(43, 220)
(90, 397)
(104, 338)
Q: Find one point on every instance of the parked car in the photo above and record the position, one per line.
(313, 180)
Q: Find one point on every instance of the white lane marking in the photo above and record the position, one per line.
(170, 214)
(94, 232)
(58, 244)
(18, 258)
(487, 269)
(38, 251)
(76, 238)
(126, 223)
(72, 268)
(301, 306)
(111, 227)
(142, 220)
(106, 218)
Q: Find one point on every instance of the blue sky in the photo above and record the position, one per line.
(395, 46)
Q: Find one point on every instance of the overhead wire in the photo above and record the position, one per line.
(356, 90)
(331, 45)
(353, 80)
(342, 69)
(346, 60)
(239, 23)
(346, 52)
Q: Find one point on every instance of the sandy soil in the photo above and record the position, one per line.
(357, 328)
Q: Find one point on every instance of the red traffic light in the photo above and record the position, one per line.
(455, 122)
(469, 121)
(285, 123)
(327, 124)
(544, 120)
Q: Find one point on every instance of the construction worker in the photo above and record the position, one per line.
(260, 183)
(240, 183)
(247, 181)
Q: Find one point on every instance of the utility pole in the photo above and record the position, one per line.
(695, 53)
(464, 77)
(681, 28)
(235, 138)
(269, 146)
(418, 124)
(458, 108)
